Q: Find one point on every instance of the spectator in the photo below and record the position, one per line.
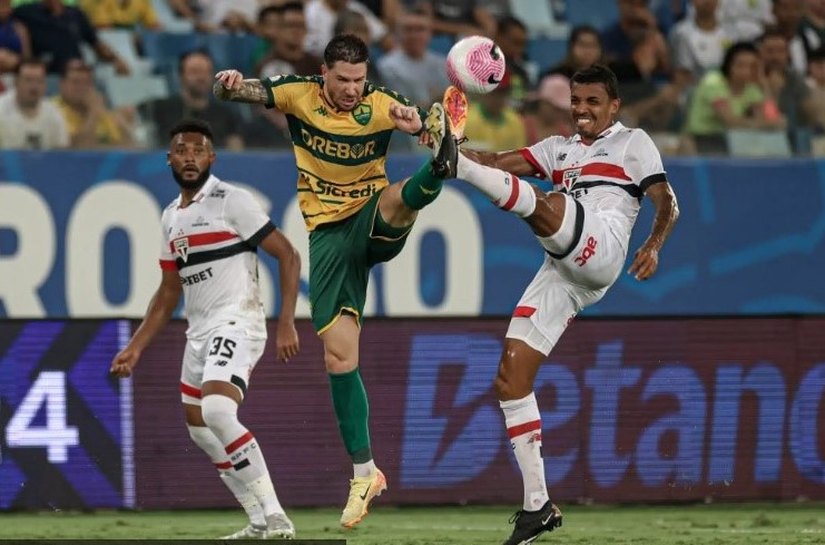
(57, 31)
(637, 50)
(461, 18)
(412, 69)
(813, 24)
(121, 13)
(27, 121)
(816, 83)
(388, 11)
(548, 110)
(584, 49)
(730, 98)
(747, 18)
(353, 22)
(493, 124)
(783, 83)
(89, 122)
(214, 15)
(266, 130)
(14, 39)
(321, 16)
(286, 54)
(511, 37)
(788, 16)
(196, 72)
(699, 41)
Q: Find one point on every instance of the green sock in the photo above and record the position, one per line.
(422, 188)
(352, 410)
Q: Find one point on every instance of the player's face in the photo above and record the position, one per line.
(190, 156)
(344, 84)
(592, 109)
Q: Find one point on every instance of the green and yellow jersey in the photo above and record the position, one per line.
(340, 156)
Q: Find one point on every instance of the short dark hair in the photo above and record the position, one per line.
(578, 31)
(347, 48)
(771, 32)
(598, 73)
(192, 125)
(191, 53)
(508, 21)
(732, 52)
(29, 62)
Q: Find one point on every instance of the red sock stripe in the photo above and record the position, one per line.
(224, 465)
(521, 429)
(239, 442)
(511, 202)
(523, 312)
(191, 391)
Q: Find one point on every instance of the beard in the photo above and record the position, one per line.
(191, 184)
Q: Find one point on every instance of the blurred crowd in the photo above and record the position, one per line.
(733, 77)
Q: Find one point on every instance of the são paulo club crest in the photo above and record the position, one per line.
(182, 247)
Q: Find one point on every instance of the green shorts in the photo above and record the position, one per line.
(341, 255)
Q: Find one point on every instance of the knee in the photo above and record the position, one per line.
(338, 360)
(505, 387)
(546, 220)
(218, 411)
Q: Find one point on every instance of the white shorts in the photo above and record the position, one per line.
(567, 283)
(228, 354)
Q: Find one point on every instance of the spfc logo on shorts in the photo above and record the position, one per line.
(182, 247)
(570, 176)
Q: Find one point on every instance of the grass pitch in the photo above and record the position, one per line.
(721, 524)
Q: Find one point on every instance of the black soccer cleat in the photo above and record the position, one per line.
(445, 148)
(529, 525)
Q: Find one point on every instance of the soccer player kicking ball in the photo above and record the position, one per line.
(210, 236)
(600, 176)
(341, 127)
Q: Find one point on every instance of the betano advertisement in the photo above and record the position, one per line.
(80, 232)
(632, 410)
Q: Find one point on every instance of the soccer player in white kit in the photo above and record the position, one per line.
(211, 233)
(600, 176)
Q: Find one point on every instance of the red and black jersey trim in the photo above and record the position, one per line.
(208, 256)
(653, 179)
(261, 234)
(577, 232)
(633, 190)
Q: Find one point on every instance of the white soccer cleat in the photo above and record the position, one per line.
(248, 532)
(279, 525)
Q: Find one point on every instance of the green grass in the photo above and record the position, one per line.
(721, 524)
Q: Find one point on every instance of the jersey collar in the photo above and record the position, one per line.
(204, 190)
(608, 132)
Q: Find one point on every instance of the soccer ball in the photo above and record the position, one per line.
(475, 65)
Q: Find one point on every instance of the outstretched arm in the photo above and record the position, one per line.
(646, 260)
(230, 85)
(160, 310)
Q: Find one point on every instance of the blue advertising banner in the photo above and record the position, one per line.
(79, 236)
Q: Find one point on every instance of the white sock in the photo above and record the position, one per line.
(508, 192)
(249, 466)
(211, 445)
(364, 470)
(524, 430)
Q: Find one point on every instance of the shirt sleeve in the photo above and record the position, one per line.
(542, 156)
(643, 163)
(280, 90)
(246, 217)
(167, 258)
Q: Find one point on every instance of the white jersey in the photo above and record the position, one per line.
(212, 244)
(608, 177)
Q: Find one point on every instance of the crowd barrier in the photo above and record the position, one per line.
(79, 237)
(632, 410)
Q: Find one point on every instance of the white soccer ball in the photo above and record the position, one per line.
(475, 65)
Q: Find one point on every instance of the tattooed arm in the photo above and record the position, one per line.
(230, 85)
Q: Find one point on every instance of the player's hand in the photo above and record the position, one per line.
(230, 79)
(124, 362)
(405, 118)
(286, 340)
(645, 262)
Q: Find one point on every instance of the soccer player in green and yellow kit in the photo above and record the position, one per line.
(341, 126)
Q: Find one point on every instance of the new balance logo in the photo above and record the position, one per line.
(587, 252)
(221, 363)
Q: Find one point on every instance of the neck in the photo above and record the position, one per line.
(28, 109)
(289, 52)
(706, 21)
(194, 101)
(187, 194)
